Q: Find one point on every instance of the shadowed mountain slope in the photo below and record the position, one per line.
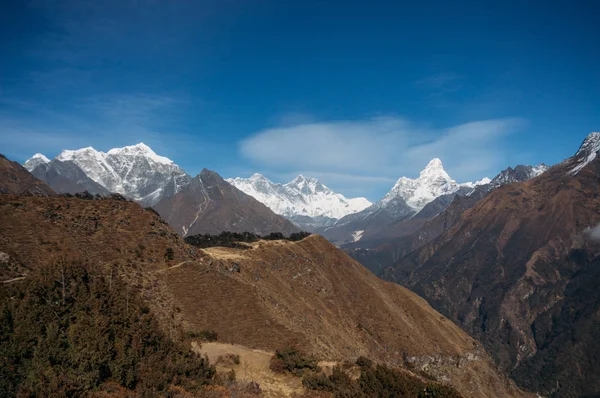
(210, 205)
(519, 271)
(15, 179)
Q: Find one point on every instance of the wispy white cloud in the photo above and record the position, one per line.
(385, 147)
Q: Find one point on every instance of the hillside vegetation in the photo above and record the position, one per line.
(69, 329)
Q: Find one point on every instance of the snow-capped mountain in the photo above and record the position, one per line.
(586, 153)
(433, 182)
(518, 174)
(303, 196)
(35, 161)
(406, 199)
(133, 171)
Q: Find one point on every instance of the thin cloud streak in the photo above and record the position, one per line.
(387, 146)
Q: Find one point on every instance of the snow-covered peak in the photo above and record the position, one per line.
(433, 181)
(35, 161)
(303, 196)
(519, 173)
(41, 157)
(434, 169)
(257, 177)
(539, 169)
(586, 153)
(483, 181)
(135, 171)
(69, 154)
(140, 149)
(307, 185)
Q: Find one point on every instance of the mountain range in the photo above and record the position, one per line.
(513, 261)
(136, 172)
(273, 295)
(303, 200)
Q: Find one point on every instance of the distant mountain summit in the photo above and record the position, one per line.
(35, 161)
(406, 198)
(301, 197)
(587, 153)
(135, 171)
(433, 182)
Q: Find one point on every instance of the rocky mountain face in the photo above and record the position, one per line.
(16, 180)
(210, 205)
(385, 246)
(303, 200)
(133, 171)
(519, 270)
(305, 293)
(35, 161)
(407, 198)
(67, 177)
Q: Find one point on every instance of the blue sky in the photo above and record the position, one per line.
(355, 93)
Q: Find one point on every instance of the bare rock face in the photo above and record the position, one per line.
(519, 270)
(67, 177)
(211, 205)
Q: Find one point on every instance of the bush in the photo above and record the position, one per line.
(204, 335)
(364, 363)
(277, 365)
(169, 254)
(375, 381)
(233, 239)
(292, 360)
(317, 381)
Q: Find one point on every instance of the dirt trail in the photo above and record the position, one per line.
(253, 367)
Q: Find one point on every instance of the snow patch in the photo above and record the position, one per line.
(41, 157)
(140, 149)
(586, 153)
(357, 235)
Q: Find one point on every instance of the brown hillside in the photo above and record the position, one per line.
(306, 293)
(311, 294)
(520, 272)
(16, 180)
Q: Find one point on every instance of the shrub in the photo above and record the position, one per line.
(233, 239)
(231, 375)
(364, 363)
(277, 365)
(317, 381)
(204, 335)
(169, 253)
(293, 360)
(375, 381)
